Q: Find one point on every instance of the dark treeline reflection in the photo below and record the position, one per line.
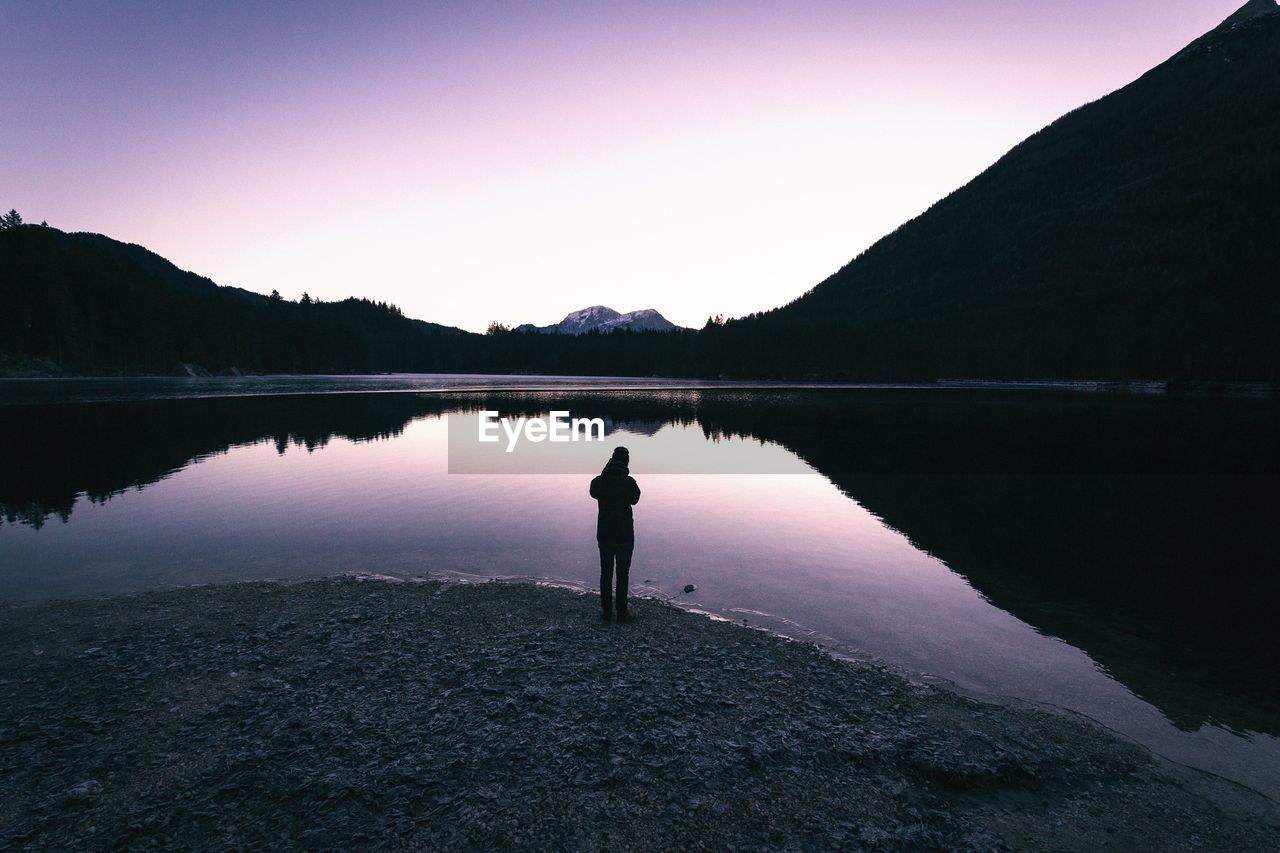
(1140, 530)
(51, 455)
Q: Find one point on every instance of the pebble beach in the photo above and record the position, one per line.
(354, 713)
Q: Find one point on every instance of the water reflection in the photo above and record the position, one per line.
(1139, 531)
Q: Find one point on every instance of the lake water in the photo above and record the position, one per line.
(1109, 553)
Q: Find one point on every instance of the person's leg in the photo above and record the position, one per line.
(624, 573)
(606, 581)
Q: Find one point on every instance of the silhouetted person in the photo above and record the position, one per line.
(615, 493)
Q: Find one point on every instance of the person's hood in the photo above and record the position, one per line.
(614, 468)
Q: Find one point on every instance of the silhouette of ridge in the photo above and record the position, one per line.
(1249, 10)
(1131, 238)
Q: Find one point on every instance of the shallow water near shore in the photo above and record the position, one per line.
(1110, 554)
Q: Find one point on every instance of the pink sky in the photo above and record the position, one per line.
(514, 162)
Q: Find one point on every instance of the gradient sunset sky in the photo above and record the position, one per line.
(515, 161)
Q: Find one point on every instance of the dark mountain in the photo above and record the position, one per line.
(91, 304)
(1134, 238)
(600, 318)
(87, 304)
(1137, 236)
(1252, 9)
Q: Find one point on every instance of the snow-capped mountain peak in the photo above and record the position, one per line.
(586, 319)
(601, 318)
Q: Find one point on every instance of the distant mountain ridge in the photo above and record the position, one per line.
(600, 318)
(88, 304)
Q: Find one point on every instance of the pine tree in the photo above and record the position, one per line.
(10, 220)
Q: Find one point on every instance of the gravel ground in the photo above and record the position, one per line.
(344, 713)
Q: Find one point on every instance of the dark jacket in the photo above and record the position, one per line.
(615, 493)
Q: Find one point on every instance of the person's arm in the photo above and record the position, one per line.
(595, 491)
(635, 492)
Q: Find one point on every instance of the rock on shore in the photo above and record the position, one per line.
(343, 713)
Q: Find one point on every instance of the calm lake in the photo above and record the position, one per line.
(1109, 553)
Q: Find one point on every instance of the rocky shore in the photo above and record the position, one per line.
(352, 714)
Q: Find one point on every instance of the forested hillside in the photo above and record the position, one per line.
(1138, 236)
(92, 305)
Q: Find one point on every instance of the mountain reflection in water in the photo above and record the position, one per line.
(1136, 529)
